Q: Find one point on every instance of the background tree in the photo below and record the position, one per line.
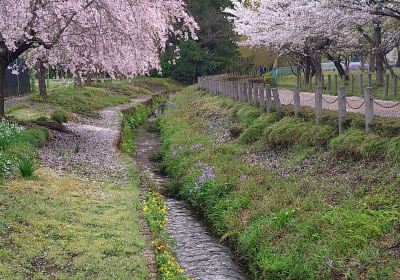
(216, 49)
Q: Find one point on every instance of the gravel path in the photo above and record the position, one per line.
(91, 149)
(307, 100)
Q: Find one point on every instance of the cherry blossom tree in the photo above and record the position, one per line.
(115, 36)
(386, 8)
(302, 30)
(306, 30)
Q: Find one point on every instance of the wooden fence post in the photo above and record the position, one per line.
(386, 90)
(250, 93)
(360, 84)
(394, 85)
(268, 98)
(329, 89)
(341, 108)
(247, 91)
(318, 104)
(369, 80)
(241, 91)
(336, 85)
(278, 104)
(296, 102)
(260, 95)
(352, 85)
(369, 109)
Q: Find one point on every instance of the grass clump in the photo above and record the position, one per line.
(290, 131)
(245, 113)
(37, 136)
(59, 116)
(359, 144)
(256, 131)
(26, 166)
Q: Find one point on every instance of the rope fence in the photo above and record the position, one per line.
(268, 98)
(357, 107)
(330, 102)
(386, 107)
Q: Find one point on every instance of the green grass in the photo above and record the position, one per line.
(17, 144)
(88, 101)
(26, 166)
(59, 116)
(61, 227)
(133, 119)
(315, 222)
(378, 91)
(27, 115)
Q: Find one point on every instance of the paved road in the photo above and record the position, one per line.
(307, 100)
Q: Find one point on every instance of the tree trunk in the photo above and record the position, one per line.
(41, 74)
(78, 81)
(89, 79)
(342, 72)
(2, 89)
(317, 67)
(371, 62)
(362, 64)
(380, 56)
(307, 71)
(398, 57)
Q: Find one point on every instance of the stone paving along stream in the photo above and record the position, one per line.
(201, 255)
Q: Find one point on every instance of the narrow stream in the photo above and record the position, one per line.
(202, 256)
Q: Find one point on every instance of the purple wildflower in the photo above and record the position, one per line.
(181, 148)
(243, 177)
(330, 263)
(174, 154)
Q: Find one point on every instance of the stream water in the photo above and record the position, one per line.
(202, 256)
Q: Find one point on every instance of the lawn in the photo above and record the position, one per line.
(61, 227)
(291, 198)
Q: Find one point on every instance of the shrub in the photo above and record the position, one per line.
(9, 133)
(268, 79)
(59, 116)
(37, 136)
(26, 166)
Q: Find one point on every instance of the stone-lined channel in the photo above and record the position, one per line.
(202, 256)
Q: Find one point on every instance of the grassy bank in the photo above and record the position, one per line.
(287, 194)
